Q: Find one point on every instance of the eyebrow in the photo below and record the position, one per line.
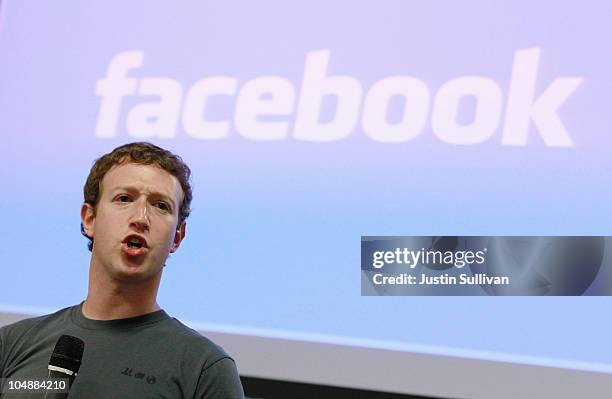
(153, 193)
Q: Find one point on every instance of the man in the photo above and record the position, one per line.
(136, 201)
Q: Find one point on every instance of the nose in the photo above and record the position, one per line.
(140, 220)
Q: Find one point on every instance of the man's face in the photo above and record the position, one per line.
(135, 224)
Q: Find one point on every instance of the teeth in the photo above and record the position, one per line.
(134, 242)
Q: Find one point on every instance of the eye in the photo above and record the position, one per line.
(163, 206)
(122, 198)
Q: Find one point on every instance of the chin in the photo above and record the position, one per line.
(136, 272)
(134, 277)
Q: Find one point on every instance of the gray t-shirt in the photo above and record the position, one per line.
(148, 356)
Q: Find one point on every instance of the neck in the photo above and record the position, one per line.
(110, 299)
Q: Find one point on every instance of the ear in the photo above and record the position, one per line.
(179, 234)
(88, 218)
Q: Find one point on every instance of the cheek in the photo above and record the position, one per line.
(168, 241)
(103, 234)
(106, 227)
(165, 239)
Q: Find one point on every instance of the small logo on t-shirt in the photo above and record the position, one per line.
(139, 375)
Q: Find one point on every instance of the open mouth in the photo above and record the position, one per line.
(134, 245)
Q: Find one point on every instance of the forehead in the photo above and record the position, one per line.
(145, 178)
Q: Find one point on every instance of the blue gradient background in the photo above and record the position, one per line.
(273, 241)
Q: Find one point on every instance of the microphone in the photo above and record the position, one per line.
(66, 360)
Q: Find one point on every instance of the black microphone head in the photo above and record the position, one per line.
(68, 353)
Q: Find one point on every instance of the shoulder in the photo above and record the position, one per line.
(26, 327)
(217, 371)
(21, 342)
(220, 380)
(197, 344)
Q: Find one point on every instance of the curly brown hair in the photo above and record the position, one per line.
(138, 153)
